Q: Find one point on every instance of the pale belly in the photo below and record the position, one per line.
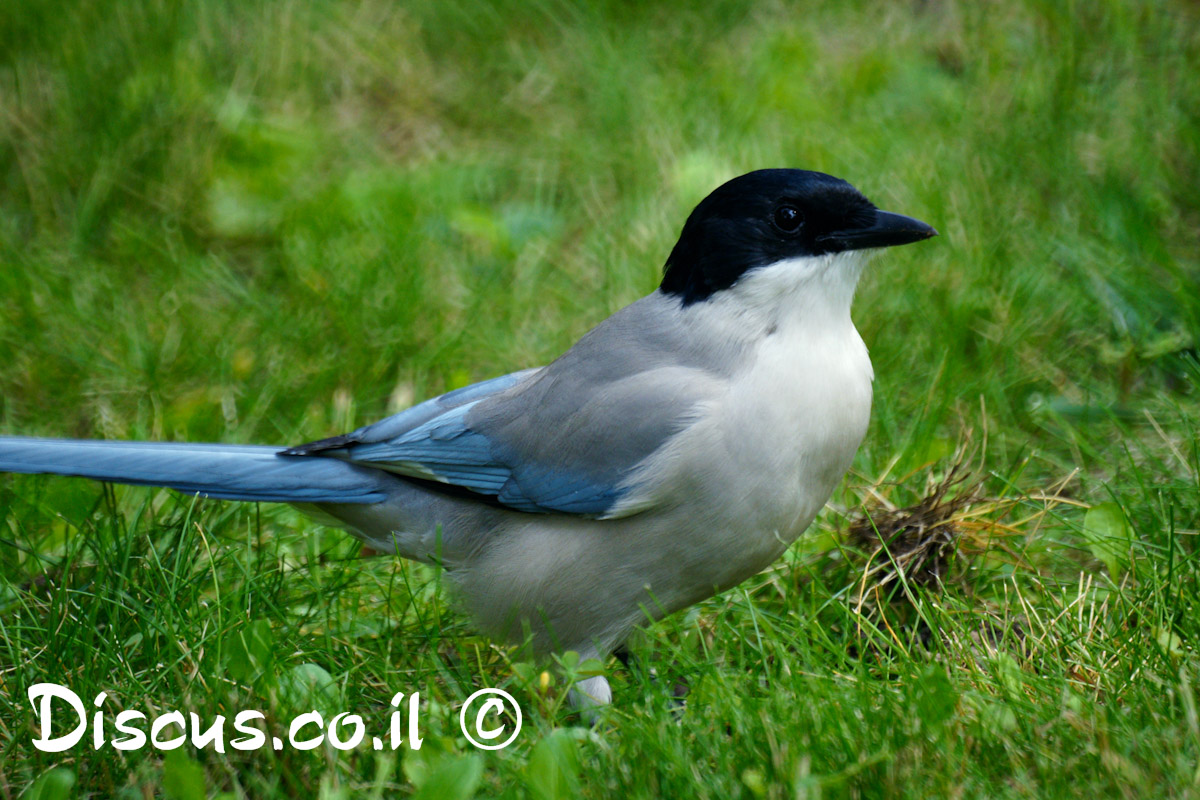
(760, 465)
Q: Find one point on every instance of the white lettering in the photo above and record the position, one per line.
(137, 737)
(172, 718)
(298, 723)
(215, 733)
(46, 692)
(254, 738)
(360, 731)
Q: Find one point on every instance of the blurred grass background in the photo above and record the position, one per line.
(271, 222)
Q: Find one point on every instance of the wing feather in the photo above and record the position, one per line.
(569, 438)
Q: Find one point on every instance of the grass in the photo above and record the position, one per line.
(271, 222)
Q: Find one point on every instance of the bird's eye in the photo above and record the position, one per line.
(788, 219)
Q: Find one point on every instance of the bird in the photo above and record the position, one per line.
(675, 450)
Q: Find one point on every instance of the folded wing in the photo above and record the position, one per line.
(556, 440)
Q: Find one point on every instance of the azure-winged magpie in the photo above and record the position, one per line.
(672, 452)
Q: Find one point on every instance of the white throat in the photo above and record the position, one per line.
(811, 292)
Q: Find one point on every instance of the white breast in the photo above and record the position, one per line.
(794, 422)
(760, 461)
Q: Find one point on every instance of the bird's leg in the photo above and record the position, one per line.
(625, 657)
(631, 662)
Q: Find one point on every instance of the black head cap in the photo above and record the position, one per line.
(774, 214)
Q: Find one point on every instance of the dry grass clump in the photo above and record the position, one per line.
(921, 540)
(935, 540)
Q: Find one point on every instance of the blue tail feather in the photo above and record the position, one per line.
(228, 472)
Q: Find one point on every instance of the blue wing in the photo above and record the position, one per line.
(447, 450)
(526, 441)
(574, 437)
(435, 441)
(429, 441)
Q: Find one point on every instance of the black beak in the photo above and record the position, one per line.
(888, 230)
